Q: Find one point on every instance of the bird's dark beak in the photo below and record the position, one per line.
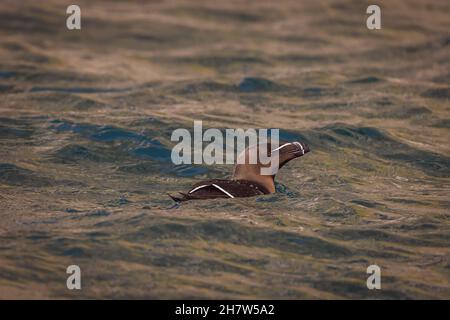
(300, 148)
(289, 151)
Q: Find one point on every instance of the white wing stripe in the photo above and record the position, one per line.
(284, 145)
(195, 189)
(223, 190)
(214, 185)
(301, 147)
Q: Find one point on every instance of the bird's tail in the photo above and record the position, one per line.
(181, 198)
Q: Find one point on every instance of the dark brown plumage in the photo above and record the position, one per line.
(247, 180)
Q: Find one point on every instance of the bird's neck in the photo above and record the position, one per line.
(252, 173)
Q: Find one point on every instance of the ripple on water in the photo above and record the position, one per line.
(440, 93)
(133, 144)
(257, 85)
(367, 193)
(17, 176)
(375, 143)
(231, 232)
(15, 128)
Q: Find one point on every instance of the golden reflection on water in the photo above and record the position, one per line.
(85, 124)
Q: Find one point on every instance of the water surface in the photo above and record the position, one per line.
(85, 124)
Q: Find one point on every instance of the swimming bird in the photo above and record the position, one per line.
(247, 180)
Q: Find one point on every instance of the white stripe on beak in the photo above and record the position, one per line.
(284, 145)
(301, 147)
